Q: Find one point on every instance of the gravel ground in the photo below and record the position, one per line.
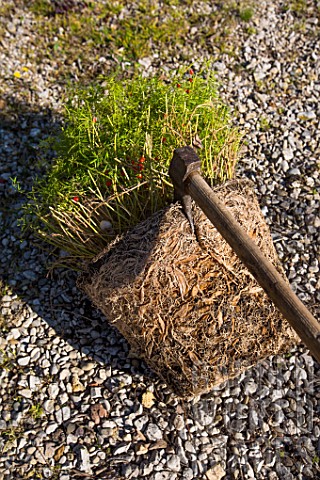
(72, 401)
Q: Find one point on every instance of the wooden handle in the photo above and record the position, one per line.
(299, 317)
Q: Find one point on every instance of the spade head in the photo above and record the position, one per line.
(185, 161)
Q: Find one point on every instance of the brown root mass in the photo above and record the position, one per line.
(188, 306)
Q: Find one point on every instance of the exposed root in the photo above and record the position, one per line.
(190, 308)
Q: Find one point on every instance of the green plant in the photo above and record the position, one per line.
(246, 14)
(107, 451)
(114, 151)
(88, 31)
(41, 7)
(9, 436)
(36, 411)
(297, 6)
(3, 328)
(3, 288)
(7, 362)
(251, 30)
(16, 185)
(264, 124)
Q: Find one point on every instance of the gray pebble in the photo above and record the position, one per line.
(162, 476)
(53, 390)
(23, 361)
(309, 115)
(153, 432)
(173, 463)
(25, 392)
(285, 166)
(84, 464)
(48, 406)
(140, 422)
(189, 447)
(287, 154)
(187, 474)
(66, 413)
(87, 366)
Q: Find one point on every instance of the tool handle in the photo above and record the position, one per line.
(299, 317)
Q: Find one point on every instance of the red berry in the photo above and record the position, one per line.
(187, 91)
(139, 175)
(75, 199)
(178, 85)
(94, 119)
(109, 183)
(164, 139)
(191, 71)
(142, 159)
(190, 80)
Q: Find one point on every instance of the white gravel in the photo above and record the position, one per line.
(70, 393)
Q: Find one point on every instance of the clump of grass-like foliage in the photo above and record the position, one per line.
(113, 154)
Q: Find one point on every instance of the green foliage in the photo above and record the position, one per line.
(3, 329)
(3, 288)
(297, 6)
(264, 124)
(114, 152)
(123, 32)
(7, 360)
(251, 30)
(10, 434)
(246, 14)
(36, 411)
(41, 7)
(130, 36)
(136, 33)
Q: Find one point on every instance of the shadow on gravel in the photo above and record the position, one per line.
(24, 263)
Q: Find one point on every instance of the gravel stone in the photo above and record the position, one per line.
(121, 449)
(288, 154)
(87, 366)
(141, 422)
(189, 447)
(173, 463)
(66, 413)
(23, 361)
(48, 406)
(59, 356)
(25, 392)
(153, 432)
(162, 476)
(53, 390)
(182, 455)
(84, 460)
(52, 427)
(187, 474)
